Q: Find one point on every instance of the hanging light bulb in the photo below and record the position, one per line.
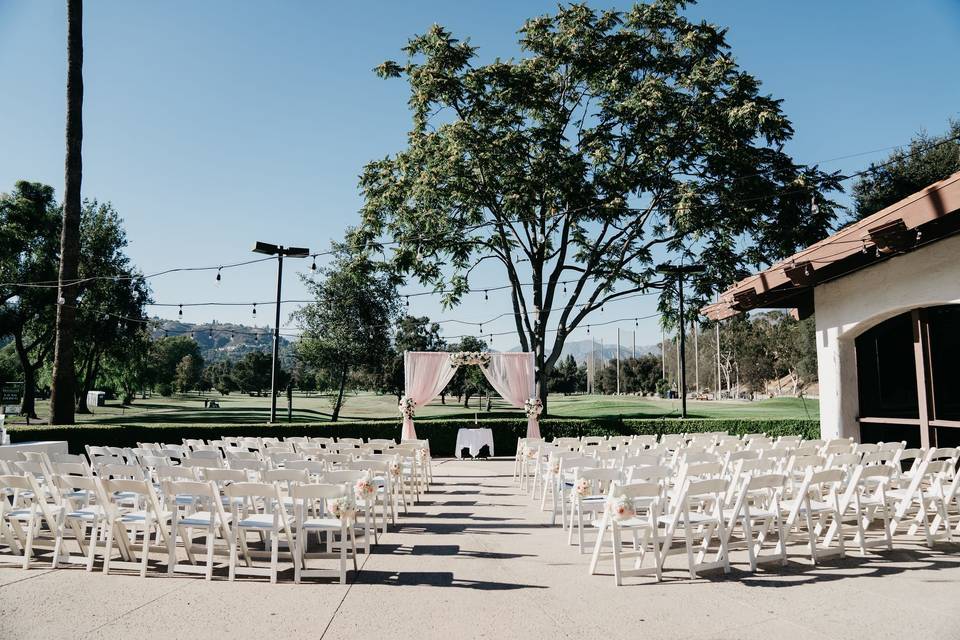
(481, 328)
(180, 313)
(636, 322)
(564, 286)
(191, 335)
(254, 308)
(408, 301)
(588, 329)
(485, 296)
(313, 266)
(491, 339)
(218, 274)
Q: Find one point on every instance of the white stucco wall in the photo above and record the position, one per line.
(850, 305)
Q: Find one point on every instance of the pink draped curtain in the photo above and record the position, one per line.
(425, 374)
(512, 376)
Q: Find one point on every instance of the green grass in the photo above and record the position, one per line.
(240, 409)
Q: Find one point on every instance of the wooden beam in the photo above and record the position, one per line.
(921, 352)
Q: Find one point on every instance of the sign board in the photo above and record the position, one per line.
(10, 393)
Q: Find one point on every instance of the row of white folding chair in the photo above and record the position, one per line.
(86, 502)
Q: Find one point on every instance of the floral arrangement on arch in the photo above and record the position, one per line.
(407, 406)
(343, 508)
(463, 358)
(620, 508)
(533, 407)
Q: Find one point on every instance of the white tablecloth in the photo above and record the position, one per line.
(474, 439)
(50, 447)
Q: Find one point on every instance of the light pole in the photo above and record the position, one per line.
(679, 271)
(279, 251)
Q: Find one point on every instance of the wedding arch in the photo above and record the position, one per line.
(427, 373)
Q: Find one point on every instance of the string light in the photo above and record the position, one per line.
(408, 301)
(180, 312)
(588, 329)
(313, 265)
(218, 274)
(254, 308)
(485, 297)
(636, 322)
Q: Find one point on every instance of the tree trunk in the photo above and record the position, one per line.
(466, 400)
(85, 383)
(443, 398)
(28, 404)
(339, 402)
(62, 386)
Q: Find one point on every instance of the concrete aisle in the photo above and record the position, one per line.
(475, 559)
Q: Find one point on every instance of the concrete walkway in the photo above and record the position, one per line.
(475, 559)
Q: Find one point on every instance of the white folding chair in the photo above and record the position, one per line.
(312, 499)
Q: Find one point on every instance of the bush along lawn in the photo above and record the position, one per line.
(442, 433)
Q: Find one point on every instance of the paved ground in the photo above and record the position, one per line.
(475, 560)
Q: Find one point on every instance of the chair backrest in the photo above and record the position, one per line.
(119, 471)
(285, 476)
(221, 476)
(71, 469)
(263, 490)
(344, 476)
(319, 491)
(654, 473)
(642, 460)
(744, 454)
(671, 441)
(175, 473)
(353, 441)
(312, 467)
(599, 480)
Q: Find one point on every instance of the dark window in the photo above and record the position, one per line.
(874, 432)
(944, 325)
(886, 370)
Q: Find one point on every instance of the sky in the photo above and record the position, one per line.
(211, 125)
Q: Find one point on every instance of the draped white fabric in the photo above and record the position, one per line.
(512, 376)
(425, 374)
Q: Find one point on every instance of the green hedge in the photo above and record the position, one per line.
(442, 433)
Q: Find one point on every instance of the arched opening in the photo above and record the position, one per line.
(908, 373)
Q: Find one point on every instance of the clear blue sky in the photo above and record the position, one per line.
(210, 124)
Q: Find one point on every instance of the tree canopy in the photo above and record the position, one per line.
(617, 140)
(924, 161)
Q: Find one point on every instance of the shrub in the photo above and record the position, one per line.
(442, 432)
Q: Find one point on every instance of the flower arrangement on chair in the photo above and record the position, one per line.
(583, 487)
(343, 508)
(530, 453)
(533, 407)
(553, 465)
(407, 406)
(395, 468)
(364, 488)
(620, 508)
(463, 358)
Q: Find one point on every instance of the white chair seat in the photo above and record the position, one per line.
(332, 524)
(257, 521)
(90, 513)
(135, 517)
(629, 523)
(200, 519)
(695, 518)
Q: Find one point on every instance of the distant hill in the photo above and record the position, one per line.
(580, 350)
(223, 341)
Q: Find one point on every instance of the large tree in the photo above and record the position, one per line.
(924, 161)
(347, 328)
(111, 312)
(618, 140)
(62, 387)
(29, 225)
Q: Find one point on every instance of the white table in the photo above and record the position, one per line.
(50, 447)
(474, 440)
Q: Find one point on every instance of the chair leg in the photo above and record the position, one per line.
(210, 539)
(92, 545)
(617, 569)
(274, 553)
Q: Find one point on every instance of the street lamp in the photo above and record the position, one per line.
(279, 251)
(678, 271)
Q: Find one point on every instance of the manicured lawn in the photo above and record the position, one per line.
(241, 409)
